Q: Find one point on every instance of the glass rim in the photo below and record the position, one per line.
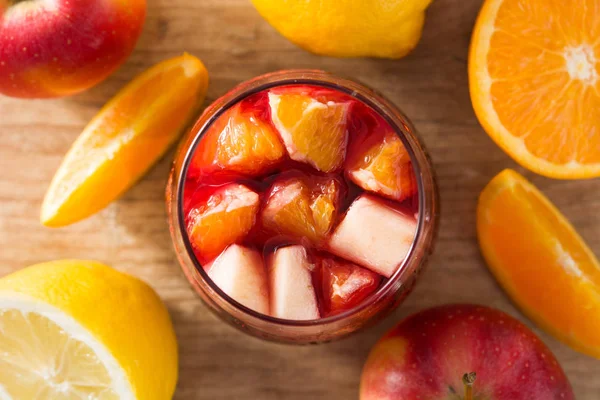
(355, 90)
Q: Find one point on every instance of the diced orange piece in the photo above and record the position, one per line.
(378, 162)
(540, 260)
(223, 218)
(314, 132)
(344, 285)
(302, 206)
(239, 141)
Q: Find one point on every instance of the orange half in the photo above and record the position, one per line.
(129, 134)
(541, 261)
(534, 73)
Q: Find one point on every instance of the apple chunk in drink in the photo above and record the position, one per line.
(374, 235)
(240, 272)
(292, 291)
(300, 202)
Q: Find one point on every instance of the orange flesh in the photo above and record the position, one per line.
(323, 211)
(240, 141)
(384, 167)
(301, 208)
(125, 138)
(535, 83)
(313, 132)
(224, 218)
(288, 212)
(541, 261)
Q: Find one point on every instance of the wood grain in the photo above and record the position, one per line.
(217, 362)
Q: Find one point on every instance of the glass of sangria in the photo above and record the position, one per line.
(302, 207)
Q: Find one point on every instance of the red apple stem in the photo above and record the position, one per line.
(468, 380)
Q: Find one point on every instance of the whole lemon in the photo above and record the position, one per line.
(348, 28)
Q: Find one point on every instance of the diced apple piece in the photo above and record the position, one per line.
(344, 285)
(240, 272)
(374, 235)
(292, 291)
(222, 218)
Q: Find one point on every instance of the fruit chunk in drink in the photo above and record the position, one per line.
(301, 206)
(374, 235)
(312, 126)
(292, 291)
(240, 272)
(342, 284)
(223, 217)
(240, 141)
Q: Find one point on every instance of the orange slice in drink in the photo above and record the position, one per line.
(302, 206)
(342, 284)
(534, 76)
(381, 164)
(129, 134)
(313, 131)
(239, 141)
(541, 261)
(224, 217)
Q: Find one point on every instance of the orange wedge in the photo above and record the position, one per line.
(534, 73)
(541, 261)
(129, 134)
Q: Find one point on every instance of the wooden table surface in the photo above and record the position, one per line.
(218, 362)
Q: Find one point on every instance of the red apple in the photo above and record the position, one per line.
(52, 48)
(426, 356)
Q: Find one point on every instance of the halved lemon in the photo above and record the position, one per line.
(541, 261)
(534, 73)
(125, 139)
(81, 330)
